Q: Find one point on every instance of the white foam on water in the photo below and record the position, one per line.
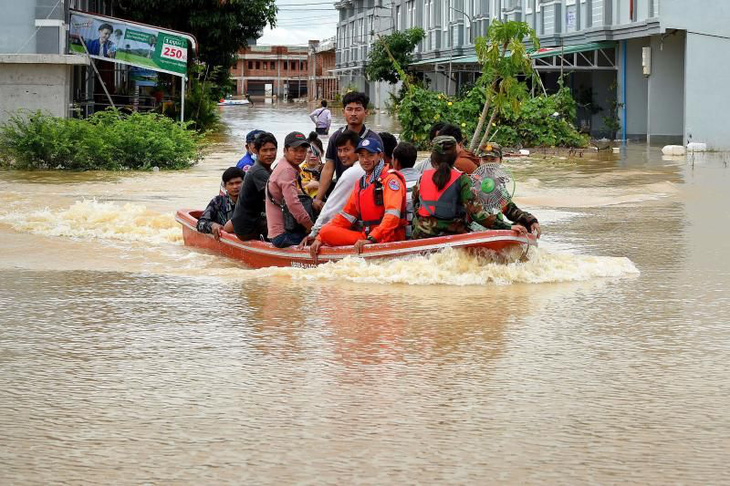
(98, 220)
(460, 268)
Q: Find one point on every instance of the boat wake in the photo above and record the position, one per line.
(461, 268)
(98, 220)
(135, 223)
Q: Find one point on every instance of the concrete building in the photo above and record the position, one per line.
(36, 70)
(360, 21)
(264, 71)
(659, 63)
(668, 68)
(322, 79)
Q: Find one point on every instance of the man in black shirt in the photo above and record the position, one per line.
(220, 208)
(249, 217)
(355, 107)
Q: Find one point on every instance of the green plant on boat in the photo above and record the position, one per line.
(107, 140)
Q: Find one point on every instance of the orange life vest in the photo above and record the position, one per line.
(442, 204)
(370, 202)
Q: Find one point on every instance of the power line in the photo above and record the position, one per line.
(305, 4)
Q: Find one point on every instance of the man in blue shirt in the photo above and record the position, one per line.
(102, 46)
(249, 158)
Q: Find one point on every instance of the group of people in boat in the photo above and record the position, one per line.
(368, 189)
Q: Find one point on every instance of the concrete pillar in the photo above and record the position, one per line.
(666, 90)
(637, 88)
(707, 77)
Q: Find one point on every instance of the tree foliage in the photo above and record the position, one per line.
(221, 27)
(401, 44)
(503, 56)
(498, 98)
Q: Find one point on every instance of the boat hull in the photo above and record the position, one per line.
(259, 254)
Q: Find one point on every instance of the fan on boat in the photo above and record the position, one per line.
(494, 186)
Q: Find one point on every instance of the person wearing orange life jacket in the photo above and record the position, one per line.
(376, 210)
(443, 199)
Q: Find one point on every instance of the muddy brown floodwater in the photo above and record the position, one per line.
(126, 358)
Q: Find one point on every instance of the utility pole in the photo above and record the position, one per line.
(451, 42)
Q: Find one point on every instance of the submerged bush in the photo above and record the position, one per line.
(107, 140)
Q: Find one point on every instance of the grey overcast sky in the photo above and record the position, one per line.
(299, 21)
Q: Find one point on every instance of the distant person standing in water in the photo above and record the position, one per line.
(322, 118)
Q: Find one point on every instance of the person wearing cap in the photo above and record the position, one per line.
(466, 161)
(287, 217)
(443, 198)
(249, 158)
(491, 153)
(355, 108)
(346, 144)
(376, 210)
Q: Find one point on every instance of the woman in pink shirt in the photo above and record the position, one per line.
(284, 194)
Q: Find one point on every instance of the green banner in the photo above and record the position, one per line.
(124, 42)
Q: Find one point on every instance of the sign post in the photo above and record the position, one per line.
(124, 42)
(182, 102)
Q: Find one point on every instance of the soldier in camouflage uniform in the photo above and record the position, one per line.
(492, 153)
(468, 206)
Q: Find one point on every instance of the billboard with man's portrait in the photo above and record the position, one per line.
(125, 42)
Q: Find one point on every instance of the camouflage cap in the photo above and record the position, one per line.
(492, 149)
(443, 142)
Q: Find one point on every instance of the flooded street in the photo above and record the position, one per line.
(126, 358)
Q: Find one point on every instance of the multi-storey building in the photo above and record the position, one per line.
(658, 62)
(322, 80)
(360, 22)
(264, 71)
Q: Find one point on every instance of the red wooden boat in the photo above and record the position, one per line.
(259, 254)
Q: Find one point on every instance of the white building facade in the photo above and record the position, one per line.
(659, 64)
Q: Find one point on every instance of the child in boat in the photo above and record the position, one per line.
(311, 168)
(492, 154)
(220, 209)
(376, 210)
(443, 197)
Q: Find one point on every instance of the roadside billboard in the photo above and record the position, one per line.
(125, 42)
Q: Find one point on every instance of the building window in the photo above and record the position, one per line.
(250, 64)
(273, 65)
(266, 65)
(258, 65)
(411, 14)
(397, 18)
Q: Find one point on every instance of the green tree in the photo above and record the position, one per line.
(380, 66)
(222, 27)
(503, 56)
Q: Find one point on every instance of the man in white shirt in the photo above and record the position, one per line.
(322, 118)
(343, 188)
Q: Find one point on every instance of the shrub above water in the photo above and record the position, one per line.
(107, 140)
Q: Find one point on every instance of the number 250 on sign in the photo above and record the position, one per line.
(174, 53)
